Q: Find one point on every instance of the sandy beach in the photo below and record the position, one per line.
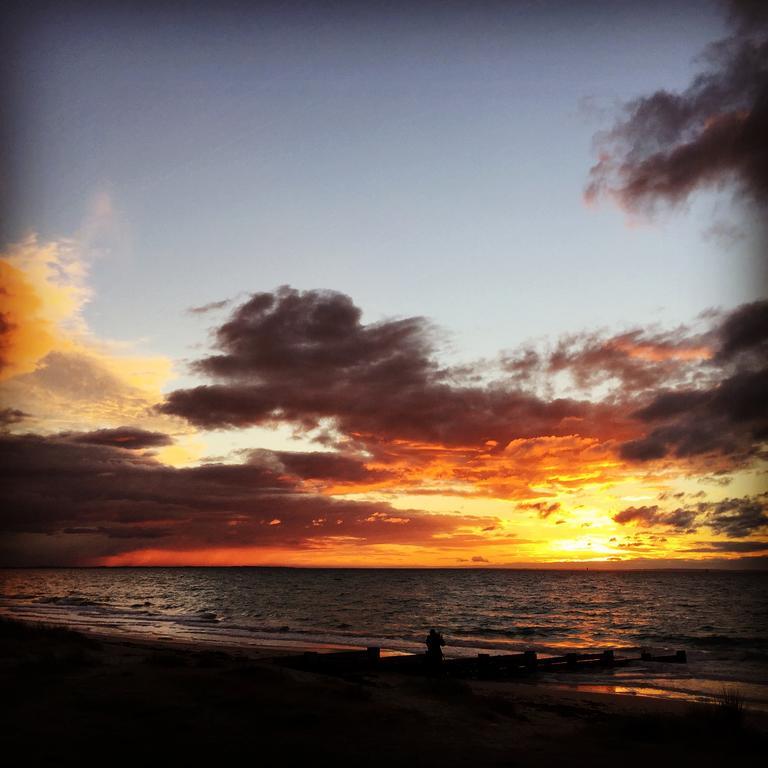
(72, 699)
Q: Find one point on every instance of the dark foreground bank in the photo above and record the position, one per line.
(74, 700)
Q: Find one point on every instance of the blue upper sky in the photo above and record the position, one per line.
(426, 162)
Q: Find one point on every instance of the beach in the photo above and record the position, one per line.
(77, 699)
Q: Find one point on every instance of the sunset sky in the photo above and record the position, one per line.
(385, 284)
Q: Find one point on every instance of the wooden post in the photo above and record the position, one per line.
(607, 658)
(488, 665)
(374, 654)
(529, 659)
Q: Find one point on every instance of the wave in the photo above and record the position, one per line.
(520, 631)
(75, 601)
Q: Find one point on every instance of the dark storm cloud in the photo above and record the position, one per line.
(729, 413)
(735, 518)
(9, 416)
(731, 418)
(648, 448)
(315, 465)
(653, 515)
(304, 356)
(738, 517)
(122, 437)
(317, 333)
(670, 144)
(669, 404)
(125, 500)
(745, 330)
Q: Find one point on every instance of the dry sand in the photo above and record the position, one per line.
(74, 700)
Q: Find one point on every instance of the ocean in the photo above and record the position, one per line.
(720, 618)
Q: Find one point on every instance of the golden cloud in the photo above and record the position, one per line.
(52, 366)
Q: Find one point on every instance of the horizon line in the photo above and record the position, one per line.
(761, 569)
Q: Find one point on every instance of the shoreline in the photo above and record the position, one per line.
(642, 684)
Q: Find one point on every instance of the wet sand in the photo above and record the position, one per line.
(76, 700)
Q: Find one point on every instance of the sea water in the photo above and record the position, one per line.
(720, 618)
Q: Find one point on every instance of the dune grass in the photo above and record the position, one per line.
(729, 708)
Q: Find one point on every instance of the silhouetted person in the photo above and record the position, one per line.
(435, 643)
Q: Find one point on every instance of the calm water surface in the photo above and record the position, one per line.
(719, 618)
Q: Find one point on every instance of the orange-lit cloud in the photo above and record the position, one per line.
(659, 353)
(42, 291)
(52, 367)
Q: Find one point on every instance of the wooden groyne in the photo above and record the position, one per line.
(481, 666)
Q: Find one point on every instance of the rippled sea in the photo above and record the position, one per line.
(719, 618)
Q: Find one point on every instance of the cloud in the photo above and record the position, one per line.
(633, 361)
(745, 330)
(129, 438)
(211, 306)
(730, 419)
(10, 416)
(378, 390)
(650, 516)
(123, 499)
(727, 413)
(733, 517)
(729, 546)
(84, 387)
(670, 144)
(302, 357)
(51, 366)
(738, 517)
(543, 508)
(473, 559)
(42, 290)
(327, 466)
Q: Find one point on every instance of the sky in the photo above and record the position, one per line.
(395, 284)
